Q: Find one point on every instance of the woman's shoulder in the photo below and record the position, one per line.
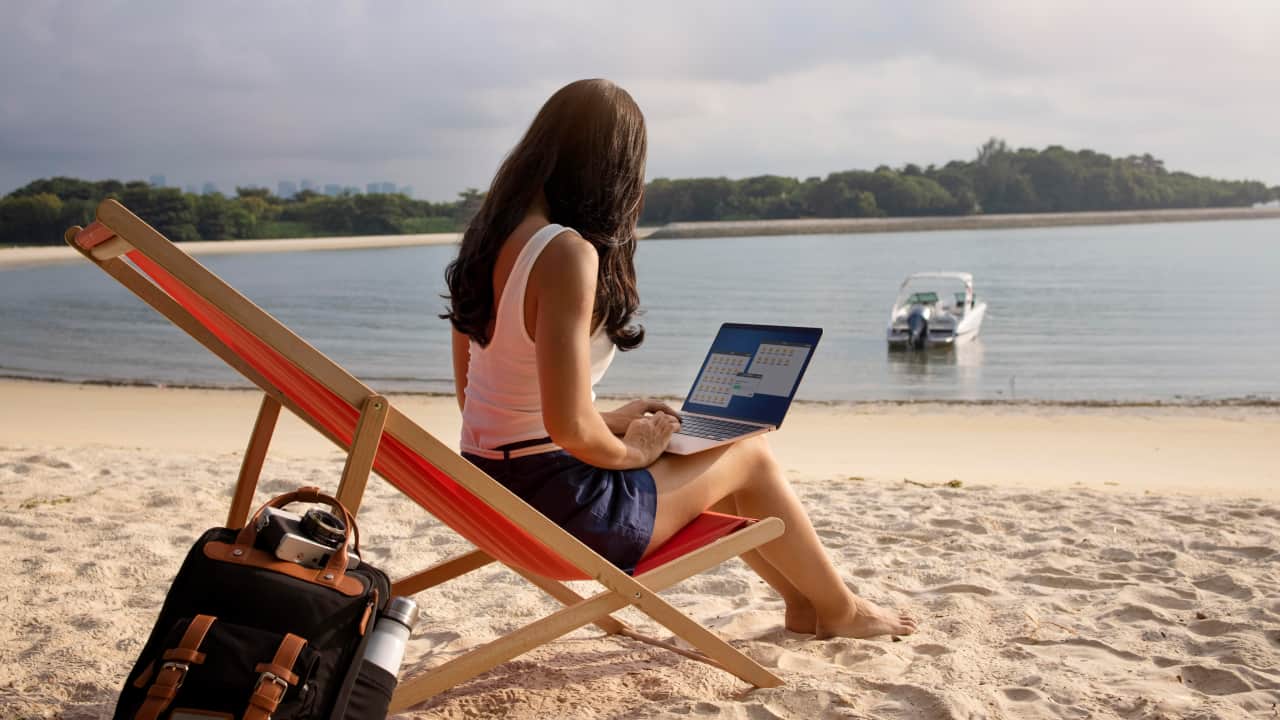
(567, 250)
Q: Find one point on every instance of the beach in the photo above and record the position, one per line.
(1064, 561)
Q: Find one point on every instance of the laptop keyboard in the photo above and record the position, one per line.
(713, 428)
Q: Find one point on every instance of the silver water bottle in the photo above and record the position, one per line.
(385, 647)
(383, 651)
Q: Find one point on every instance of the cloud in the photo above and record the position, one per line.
(434, 95)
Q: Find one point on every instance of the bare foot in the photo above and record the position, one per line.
(865, 620)
(801, 618)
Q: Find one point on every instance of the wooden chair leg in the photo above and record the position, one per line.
(251, 467)
(364, 448)
(440, 572)
(415, 689)
(567, 596)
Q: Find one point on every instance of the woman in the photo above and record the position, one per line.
(542, 292)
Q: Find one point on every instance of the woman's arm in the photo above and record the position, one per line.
(461, 358)
(563, 285)
(620, 419)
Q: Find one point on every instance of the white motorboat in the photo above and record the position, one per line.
(935, 309)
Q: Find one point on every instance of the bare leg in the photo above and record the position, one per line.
(747, 472)
(800, 616)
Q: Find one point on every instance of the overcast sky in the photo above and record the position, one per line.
(433, 95)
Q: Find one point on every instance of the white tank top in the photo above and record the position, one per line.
(503, 403)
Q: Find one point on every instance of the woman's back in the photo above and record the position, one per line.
(503, 399)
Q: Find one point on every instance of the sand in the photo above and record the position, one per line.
(31, 256)
(1104, 563)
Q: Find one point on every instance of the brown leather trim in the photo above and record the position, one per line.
(369, 613)
(337, 565)
(284, 673)
(253, 557)
(267, 694)
(186, 713)
(364, 620)
(170, 676)
(184, 655)
(146, 675)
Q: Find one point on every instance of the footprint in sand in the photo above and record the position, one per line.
(1188, 520)
(1212, 681)
(1066, 582)
(1216, 628)
(163, 500)
(952, 524)
(437, 639)
(1136, 613)
(931, 649)
(958, 588)
(1032, 703)
(376, 555)
(1022, 694)
(48, 462)
(441, 539)
(1249, 552)
(1117, 555)
(1082, 650)
(277, 486)
(1225, 585)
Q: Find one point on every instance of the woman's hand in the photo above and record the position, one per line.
(620, 420)
(647, 436)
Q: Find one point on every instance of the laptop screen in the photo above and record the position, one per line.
(752, 372)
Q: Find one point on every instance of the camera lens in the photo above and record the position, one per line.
(324, 527)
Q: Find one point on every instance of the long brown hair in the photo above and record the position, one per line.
(585, 151)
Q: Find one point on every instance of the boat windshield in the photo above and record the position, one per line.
(922, 298)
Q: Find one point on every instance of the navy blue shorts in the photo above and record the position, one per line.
(611, 511)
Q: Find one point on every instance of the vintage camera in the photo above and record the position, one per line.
(308, 539)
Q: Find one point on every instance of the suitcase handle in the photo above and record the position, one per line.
(338, 560)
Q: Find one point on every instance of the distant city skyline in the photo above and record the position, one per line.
(289, 188)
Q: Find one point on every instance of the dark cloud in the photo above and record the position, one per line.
(433, 95)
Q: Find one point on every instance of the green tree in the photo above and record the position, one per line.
(31, 219)
(219, 218)
(168, 210)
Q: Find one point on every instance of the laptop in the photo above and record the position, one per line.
(745, 385)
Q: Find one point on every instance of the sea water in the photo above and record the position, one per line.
(1176, 312)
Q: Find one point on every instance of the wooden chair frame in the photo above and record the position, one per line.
(378, 416)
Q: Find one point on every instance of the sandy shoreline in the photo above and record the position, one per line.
(842, 226)
(1095, 562)
(1130, 448)
(18, 257)
(32, 256)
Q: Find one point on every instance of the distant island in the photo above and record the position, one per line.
(997, 181)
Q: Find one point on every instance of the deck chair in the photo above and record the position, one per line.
(377, 437)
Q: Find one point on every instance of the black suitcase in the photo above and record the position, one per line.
(243, 634)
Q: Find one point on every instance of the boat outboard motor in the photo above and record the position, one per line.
(918, 326)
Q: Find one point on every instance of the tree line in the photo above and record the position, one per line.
(997, 180)
(39, 212)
